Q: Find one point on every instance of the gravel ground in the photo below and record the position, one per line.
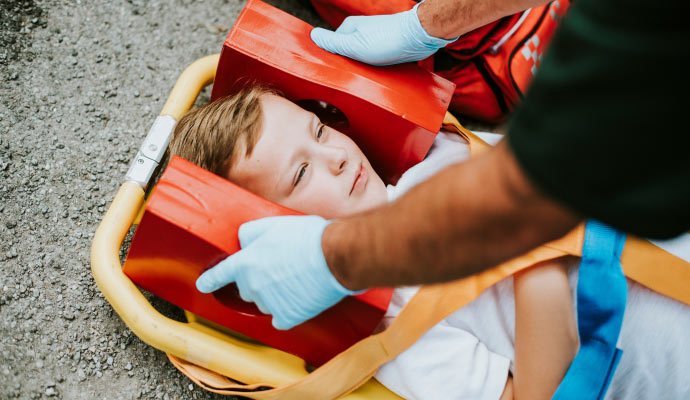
(80, 84)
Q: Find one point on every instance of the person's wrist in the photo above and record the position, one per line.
(333, 254)
(325, 273)
(332, 282)
(427, 29)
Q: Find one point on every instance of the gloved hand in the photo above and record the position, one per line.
(380, 39)
(281, 268)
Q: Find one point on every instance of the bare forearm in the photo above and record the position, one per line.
(469, 217)
(451, 18)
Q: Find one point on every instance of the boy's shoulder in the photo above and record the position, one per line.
(448, 148)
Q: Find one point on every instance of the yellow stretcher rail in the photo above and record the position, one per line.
(243, 360)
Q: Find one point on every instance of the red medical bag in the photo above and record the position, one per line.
(191, 218)
(491, 66)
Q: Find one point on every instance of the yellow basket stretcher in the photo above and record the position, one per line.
(251, 363)
(197, 341)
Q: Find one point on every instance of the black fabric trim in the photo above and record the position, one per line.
(498, 93)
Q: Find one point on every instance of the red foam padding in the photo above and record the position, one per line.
(190, 224)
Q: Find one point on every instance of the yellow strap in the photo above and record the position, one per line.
(643, 262)
(433, 303)
(656, 269)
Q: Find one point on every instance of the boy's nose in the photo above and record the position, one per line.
(337, 160)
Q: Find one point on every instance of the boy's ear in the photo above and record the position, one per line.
(329, 114)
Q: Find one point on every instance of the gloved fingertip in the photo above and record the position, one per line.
(281, 324)
(262, 307)
(317, 36)
(324, 39)
(218, 276)
(204, 285)
(250, 231)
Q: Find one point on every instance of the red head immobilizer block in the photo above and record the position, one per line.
(190, 224)
(394, 112)
(192, 216)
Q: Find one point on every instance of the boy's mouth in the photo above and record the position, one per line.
(361, 179)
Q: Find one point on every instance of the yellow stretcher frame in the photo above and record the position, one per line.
(244, 360)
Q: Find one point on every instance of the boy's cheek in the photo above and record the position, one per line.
(310, 203)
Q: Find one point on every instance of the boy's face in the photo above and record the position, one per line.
(302, 164)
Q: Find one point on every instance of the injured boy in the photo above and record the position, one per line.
(516, 340)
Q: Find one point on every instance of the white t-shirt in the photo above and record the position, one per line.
(469, 354)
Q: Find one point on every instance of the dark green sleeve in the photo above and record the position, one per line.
(605, 126)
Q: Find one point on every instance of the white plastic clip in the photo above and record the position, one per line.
(151, 151)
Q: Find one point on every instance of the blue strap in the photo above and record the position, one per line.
(601, 295)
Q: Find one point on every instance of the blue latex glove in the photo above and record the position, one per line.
(281, 268)
(380, 39)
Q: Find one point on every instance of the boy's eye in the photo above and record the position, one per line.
(319, 133)
(300, 173)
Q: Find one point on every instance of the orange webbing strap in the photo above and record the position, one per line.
(643, 262)
(432, 304)
(657, 269)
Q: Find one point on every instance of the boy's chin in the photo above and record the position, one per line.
(376, 199)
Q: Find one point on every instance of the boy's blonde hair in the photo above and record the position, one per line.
(210, 136)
